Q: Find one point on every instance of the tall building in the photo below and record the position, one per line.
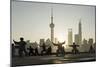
(84, 42)
(80, 32)
(41, 42)
(76, 39)
(35, 44)
(52, 26)
(48, 42)
(70, 37)
(85, 46)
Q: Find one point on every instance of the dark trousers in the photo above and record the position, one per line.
(21, 52)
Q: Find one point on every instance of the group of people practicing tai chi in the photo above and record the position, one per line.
(22, 49)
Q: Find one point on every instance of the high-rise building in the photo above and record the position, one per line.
(80, 33)
(70, 37)
(84, 42)
(35, 44)
(48, 42)
(85, 47)
(41, 42)
(76, 39)
(52, 26)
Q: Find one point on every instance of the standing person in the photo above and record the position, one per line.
(48, 51)
(13, 50)
(31, 53)
(43, 49)
(36, 51)
(22, 45)
(59, 48)
(74, 48)
(63, 51)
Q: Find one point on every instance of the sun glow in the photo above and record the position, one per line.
(61, 38)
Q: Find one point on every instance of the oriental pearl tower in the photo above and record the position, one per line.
(52, 26)
(52, 31)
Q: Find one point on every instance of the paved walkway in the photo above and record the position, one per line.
(38, 60)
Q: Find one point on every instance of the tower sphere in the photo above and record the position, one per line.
(52, 25)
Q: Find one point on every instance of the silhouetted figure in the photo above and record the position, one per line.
(36, 52)
(31, 53)
(59, 48)
(74, 50)
(91, 50)
(63, 51)
(48, 51)
(43, 49)
(22, 49)
(13, 50)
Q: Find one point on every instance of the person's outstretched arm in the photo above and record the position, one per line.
(54, 44)
(16, 42)
(63, 42)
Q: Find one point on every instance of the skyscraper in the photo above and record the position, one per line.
(42, 41)
(70, 38)
(52, 26)
(84, 42)
(80, 33)
(85, 46)
(76, 39)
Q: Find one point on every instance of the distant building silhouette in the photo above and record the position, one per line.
(70, 37)
(42, 41)
(27, 45)
(85, 46)
(48, 42)
(76, 39)
(35, 44)
(80, 32)
(85, 42)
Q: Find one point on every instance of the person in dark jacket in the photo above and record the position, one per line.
(22, 45)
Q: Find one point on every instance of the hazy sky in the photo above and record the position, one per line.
(31, 20)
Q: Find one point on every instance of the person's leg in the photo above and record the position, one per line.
(41, 52)
(25, 52)
(57, 52)
(32, 53)
(29, 53)
(72, 51)
(20, 53)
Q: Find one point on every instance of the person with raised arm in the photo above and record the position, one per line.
(21, 45)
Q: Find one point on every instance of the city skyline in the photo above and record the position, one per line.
(34, 25)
